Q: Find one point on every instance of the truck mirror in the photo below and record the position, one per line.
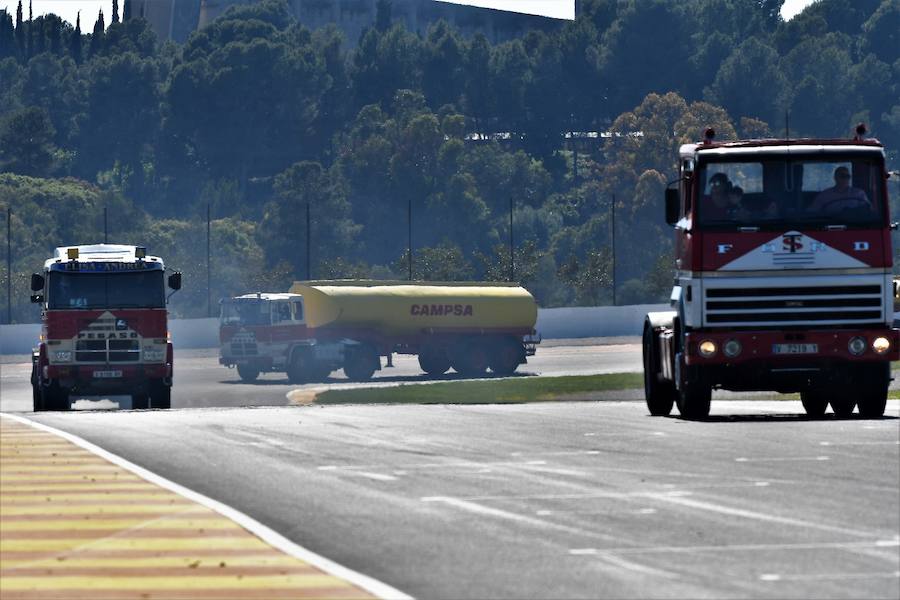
(37, 298)
(673, 206)
(37, 282)
(175, 281)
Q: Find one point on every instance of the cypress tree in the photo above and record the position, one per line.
(115, 16)
(75, 45)
(20, 31)
(126, 11)
(7, 35)
(97, 36)
(29, 32)
(55, 34)
(41, 36)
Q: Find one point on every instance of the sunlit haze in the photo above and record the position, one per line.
(558, 9)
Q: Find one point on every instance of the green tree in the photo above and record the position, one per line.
(26, 142)
(750, 83)
(881, 32)
(75, 41)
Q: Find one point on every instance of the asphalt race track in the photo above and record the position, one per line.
(547, 500)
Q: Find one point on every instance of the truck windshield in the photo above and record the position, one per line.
(245, 311)
(106, 290)
(813, 192)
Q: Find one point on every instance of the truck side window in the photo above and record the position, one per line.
(298, 311)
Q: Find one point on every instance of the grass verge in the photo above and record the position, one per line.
(497, 391)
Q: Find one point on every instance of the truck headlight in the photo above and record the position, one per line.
(856, 346)
(62, 356)
(707, 348)
(881, 345)
(154, 355)
(732, 348)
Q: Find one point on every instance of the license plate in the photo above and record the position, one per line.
(107, 374)
(795, 348)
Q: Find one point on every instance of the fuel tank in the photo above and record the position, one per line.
(396, 308)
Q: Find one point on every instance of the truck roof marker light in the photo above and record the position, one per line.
(140, 252)
(881, 345)
(72, 253)
(861, 131)
(707, 348)
(857, 346)
(709, 135)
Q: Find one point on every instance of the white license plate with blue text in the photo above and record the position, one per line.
(107, 374)
(795, 349)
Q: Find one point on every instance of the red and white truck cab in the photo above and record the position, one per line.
(104, 327)
(783, 277)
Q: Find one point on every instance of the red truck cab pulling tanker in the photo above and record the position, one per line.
(783, 277)
(104, 327)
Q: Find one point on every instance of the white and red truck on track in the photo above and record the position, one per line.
(104, 327)
(783, 283)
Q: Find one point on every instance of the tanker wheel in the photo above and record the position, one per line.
(471, 360)
(814, 403)
(433, 360)
(659, 395)
(360, 364)
(297, 370)
(160, 395)
(842, 403)
(247, 373)
(506, 356)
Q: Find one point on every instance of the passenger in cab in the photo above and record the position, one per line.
(840, 197)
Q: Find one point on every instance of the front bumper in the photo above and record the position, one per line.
(109, 379)
(758, 347)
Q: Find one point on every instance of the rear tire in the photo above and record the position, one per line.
(471, 360)
(37, 400)
(814, 403)
(506, 356)
(247, 373)
(140, 401)
(873, 395)
(433, 360)
(54, 397)
(842, 404)
(659, 395)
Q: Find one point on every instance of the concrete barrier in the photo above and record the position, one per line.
(553, 323)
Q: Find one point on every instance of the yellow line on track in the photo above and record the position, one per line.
(72, 523)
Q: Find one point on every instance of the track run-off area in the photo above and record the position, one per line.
(578, 499)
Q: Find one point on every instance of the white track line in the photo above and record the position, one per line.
(268, 535)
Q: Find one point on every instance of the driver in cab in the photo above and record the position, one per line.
(842, 196)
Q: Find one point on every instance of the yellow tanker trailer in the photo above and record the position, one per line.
(322, 326)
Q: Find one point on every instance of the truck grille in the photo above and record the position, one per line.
(243, 349)
(107, 351)
(795, 305)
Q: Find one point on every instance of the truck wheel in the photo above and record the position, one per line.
(37, 401)
(296, 369)
(814, 403)
(471, 360)
(433, 360)
(54, 397)
(842, 403)
(140, 401)
(247, 373)
(659, 395)
(694, 400)
(360, 364)
(160, 396)
(873, 396)
(506, 356)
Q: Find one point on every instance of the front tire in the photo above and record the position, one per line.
(659, 395)
(471, 360)
(506, 356)
(361, 364)
(160, 396)
(694, 400)
(37, 400)
(433, 360)
(247, 373)
(842, 404)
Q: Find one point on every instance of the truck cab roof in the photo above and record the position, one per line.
(804, 146)
(105, 253)
(268, 296)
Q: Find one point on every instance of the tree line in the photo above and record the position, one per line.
(256, 117)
